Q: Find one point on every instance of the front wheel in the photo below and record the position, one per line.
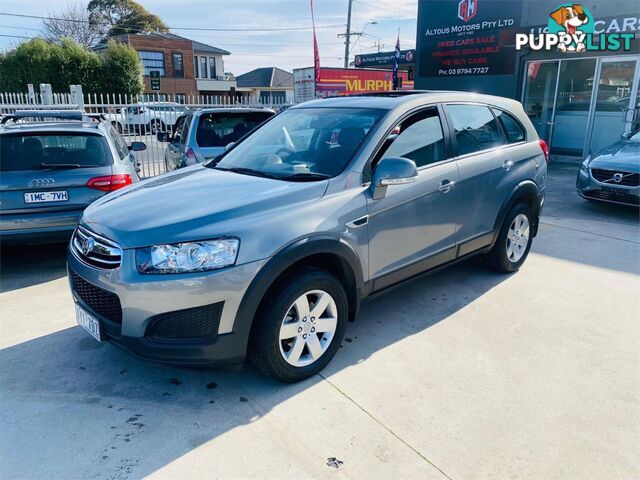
(514, 241)
(299, 329)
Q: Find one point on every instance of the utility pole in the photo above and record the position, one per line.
(347, 36)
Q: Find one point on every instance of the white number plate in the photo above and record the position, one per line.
(41, 197)
(89, 323)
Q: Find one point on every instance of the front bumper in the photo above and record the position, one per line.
(143, 298)
(591, 189)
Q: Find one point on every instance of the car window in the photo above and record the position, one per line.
(220, 129)
(420, 139)
(475, 128)
(120, 144)
(299, 141)
(512, 128)
(184, 130)
(53, 150)
(180, 132)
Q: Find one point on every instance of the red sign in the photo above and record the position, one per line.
(348, 81)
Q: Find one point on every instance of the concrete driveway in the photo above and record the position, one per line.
(463, 374)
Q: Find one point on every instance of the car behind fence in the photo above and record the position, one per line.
(135, 119)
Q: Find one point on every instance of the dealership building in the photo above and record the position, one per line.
(581, 93)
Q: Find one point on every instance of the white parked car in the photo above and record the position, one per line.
(150, 117)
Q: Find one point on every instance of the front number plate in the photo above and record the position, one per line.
(42, 197)
(89, 323)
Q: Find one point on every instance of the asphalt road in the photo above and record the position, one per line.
(464, 374)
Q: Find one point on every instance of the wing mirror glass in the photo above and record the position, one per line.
(137, 146)
(392, 171)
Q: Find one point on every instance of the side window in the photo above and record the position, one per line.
(512, 128)
(121, 146)
(475, 128)
(420, 139)
(183, 130)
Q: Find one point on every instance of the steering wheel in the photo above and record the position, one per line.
(290, 154)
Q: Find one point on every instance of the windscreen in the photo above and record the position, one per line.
(303, 141)
(21, 151)
(220, 129)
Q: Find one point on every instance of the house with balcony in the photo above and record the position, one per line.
(186, 68)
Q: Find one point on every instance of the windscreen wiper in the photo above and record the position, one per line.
(247, 171)
(305, 176)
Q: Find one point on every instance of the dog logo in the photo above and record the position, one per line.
(573, 22)
(467, 9)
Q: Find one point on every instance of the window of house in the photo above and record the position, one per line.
(475, 128)
(152, 61)
(212, 68)
(196, 70)
(512, 128)
(178, 65)
(421, 139)
(203, 67)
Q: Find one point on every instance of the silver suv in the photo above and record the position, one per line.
(268, 250)
(53, 164)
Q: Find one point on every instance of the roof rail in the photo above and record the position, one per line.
(72, 115)
(389, 93)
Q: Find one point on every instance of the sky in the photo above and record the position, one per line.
(252, 49)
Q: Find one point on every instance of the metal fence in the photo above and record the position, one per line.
(134, 119)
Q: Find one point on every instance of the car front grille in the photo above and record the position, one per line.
(616, 177)
(612, 197)
(95, 250)
(192, 325)
(104, 303)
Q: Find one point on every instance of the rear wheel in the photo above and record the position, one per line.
(514, 241)
(300, 327)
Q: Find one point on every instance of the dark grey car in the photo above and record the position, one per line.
(205, 133)
(267, 250)
(613, 174)
(53, 165)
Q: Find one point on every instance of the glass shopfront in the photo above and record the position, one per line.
(581, 105)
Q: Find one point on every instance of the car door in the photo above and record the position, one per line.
(485, 166)
(176, 149)
(413, 227)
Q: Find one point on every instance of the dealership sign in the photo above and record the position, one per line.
(572, 28)
(384, 59)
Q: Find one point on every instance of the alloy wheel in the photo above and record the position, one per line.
(517, 238)
(308, 328)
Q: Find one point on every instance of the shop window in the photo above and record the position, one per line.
(475, 128)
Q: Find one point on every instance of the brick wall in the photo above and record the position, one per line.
(168, 46)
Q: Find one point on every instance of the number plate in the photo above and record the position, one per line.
(90, 324)
(42, 197)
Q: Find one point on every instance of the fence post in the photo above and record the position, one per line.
(77, 96)
(46, 94)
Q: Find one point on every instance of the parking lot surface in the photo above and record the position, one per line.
(462, 374)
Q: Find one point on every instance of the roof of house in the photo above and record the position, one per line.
(197, 46)
(270, 77)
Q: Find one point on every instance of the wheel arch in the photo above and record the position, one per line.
(526, 192)
(328, 253)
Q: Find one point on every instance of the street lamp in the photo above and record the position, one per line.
(347, 38)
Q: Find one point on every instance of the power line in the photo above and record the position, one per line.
(15, 36)
(203, 29)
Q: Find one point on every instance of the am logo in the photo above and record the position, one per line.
(467, 9)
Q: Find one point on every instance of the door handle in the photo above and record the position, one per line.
(507, 165)
(446, 185)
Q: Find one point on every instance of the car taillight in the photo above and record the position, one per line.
(545, 149)
(190, 153)
(109, 183)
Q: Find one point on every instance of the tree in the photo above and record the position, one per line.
(72, 22)
(116, 17)
(116, 70)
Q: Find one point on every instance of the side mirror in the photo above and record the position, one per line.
(392, 171)
(137, 146)
(229, 146)
(162, 136)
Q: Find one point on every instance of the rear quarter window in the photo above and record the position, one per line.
(21, 151)
(512, 127)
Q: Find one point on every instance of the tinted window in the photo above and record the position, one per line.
(220, 129)
(475, 128)
(303, 141)
(420, 139)
(182, 130)
(120, 144)
(37, 152)
(511, 126)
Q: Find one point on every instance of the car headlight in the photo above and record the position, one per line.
(585, 165)
(188, 256)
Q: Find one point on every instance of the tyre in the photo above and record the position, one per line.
(300, 326)
(514, 241)
(155, 126)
